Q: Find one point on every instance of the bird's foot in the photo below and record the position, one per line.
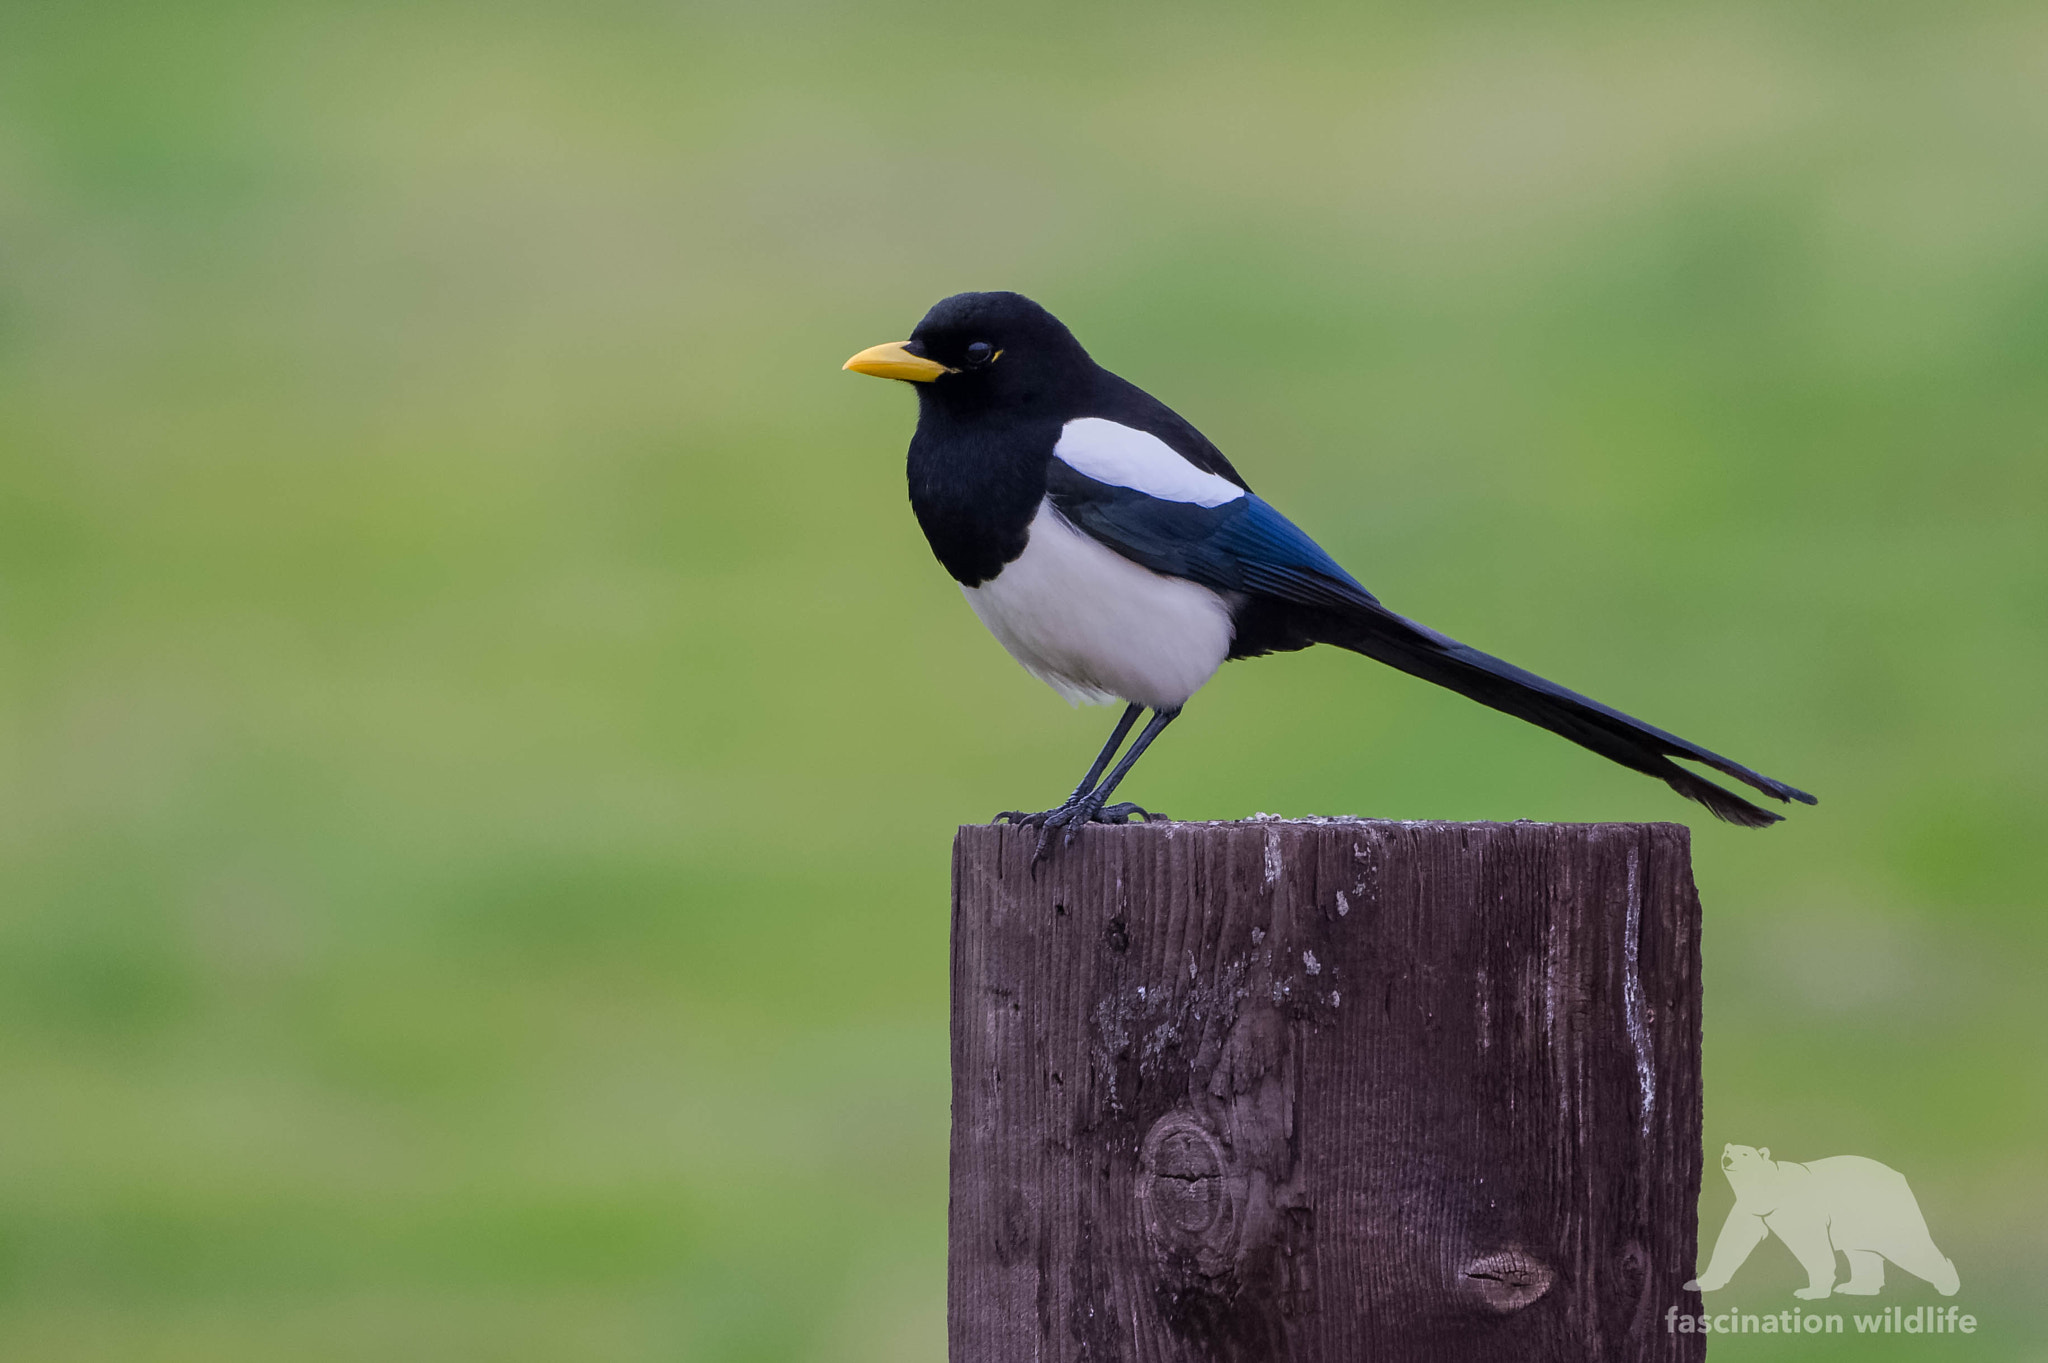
(1117, 813)
(1066, 822)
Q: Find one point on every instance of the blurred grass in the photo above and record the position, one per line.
(481, 728)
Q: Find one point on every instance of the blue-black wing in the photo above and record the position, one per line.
(1246, 548)
(1243, 546)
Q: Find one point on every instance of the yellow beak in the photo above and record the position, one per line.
(892, 361)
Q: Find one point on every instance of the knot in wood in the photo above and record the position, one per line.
(1190, 1197)
(1506, 1280)
(1188, 1182)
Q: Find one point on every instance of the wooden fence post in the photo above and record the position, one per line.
(1325, 1091)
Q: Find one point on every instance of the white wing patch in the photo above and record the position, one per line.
(1113, 453)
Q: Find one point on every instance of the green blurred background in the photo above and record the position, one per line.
(482, 729)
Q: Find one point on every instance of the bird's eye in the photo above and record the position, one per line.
(981, 352)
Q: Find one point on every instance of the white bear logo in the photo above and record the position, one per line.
(1847, 1203)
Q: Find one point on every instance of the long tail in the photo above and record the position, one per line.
(1420, 651)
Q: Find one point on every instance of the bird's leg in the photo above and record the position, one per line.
(1116, 740)
(1089, 807)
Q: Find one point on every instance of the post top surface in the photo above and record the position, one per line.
(1355, 821)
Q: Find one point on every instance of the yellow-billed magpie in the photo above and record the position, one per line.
(1118, 556)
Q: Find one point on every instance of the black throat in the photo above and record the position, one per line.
(976, 479)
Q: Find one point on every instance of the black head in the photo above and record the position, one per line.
(980, 351)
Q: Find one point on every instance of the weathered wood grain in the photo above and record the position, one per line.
(1325, 1090)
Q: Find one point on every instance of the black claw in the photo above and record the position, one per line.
(1123, 813)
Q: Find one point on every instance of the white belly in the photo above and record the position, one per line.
(1097, 627)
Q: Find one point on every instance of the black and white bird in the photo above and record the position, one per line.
(1118, 556)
